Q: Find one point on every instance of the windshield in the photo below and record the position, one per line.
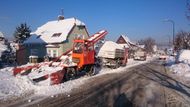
(78, 47)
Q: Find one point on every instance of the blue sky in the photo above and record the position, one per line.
(135, 18)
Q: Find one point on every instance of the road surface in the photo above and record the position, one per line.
(146, 85)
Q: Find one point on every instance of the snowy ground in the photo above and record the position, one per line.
(16, 87)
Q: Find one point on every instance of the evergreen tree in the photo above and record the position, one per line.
(22, 32)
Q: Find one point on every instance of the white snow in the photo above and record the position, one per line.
(96, 35)
(45, 70)
(44, 34)
(183, 56)
(111, 50)
(12, 87)
(32, 56)
(110, 46)
(1, 35)
(181, 69)
(127, 40)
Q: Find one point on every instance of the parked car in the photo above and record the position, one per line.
(162, 56)
(140, 55)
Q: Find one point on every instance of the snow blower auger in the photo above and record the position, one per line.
(66, 67)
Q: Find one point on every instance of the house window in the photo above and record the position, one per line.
(34, 52)
(80, 27)
(56, 34)
(49, 53)
(54, 53)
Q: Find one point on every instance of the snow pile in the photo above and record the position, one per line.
(110, 46)
(180, 68)
(183, 56)
(111, 50)
(11, 87)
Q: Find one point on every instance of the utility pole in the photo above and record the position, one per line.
(173, 30)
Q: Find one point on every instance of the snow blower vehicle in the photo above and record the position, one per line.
(67, 66)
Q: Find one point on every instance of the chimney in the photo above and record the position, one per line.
(61, 17)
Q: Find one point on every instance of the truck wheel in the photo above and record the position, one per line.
(91, 71)
(70, 74)
(117, 64)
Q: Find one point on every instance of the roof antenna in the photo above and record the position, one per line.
(61, 17)
(62, 13)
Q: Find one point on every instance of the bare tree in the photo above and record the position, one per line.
(182, 40)
(149, 44)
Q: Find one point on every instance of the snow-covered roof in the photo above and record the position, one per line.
(127, 39)
(54, 31)
(1, 35)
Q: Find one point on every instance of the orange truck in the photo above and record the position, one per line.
(80, 58)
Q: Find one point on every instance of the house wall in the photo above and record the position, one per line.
(36, 50)
(68, 44)
(120, 40)
(50, 50)
(20, 55)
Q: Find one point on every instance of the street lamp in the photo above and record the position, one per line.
(173, 25)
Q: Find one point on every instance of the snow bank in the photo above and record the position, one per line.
(180, 69)
(183, 56)
(15, 87)
(11, 87)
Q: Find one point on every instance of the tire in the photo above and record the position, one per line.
(91, 70)
(117, 64)
(70, 74)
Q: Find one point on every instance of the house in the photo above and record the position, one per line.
(124, 41)
(52, 39)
